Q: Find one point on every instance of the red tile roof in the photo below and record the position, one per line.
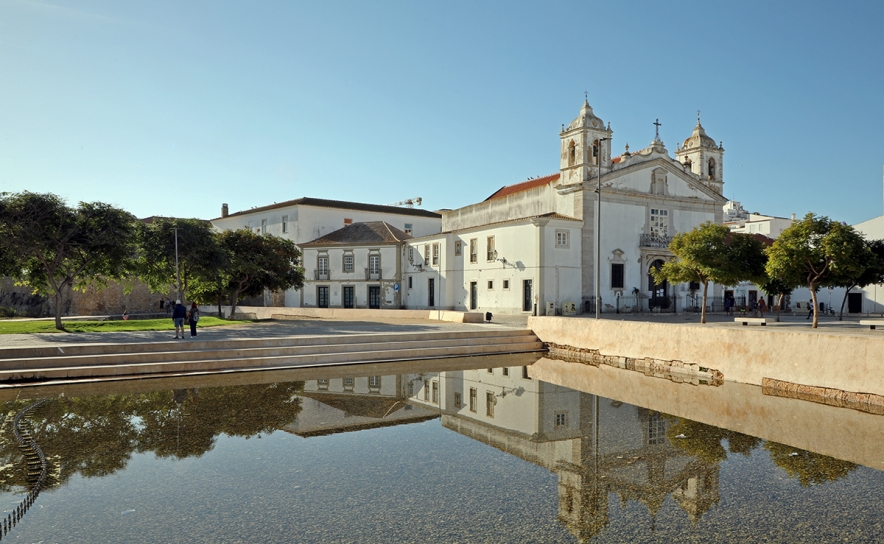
(524, 186)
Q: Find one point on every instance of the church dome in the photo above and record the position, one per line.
(699, 139)
(587, 119)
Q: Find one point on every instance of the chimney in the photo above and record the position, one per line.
(793, 217)
(224, 210)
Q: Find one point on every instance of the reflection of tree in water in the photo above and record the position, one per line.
(808, 467)
(704, 441)
(96, 436)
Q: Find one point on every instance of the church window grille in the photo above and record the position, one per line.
(562, 239)
(436, 392)
(572, 154)
(374, 264)
(659, 222)
(427, 253)
(285, 224)
(374, 381)
(561, 419)
(616, 275)
(458, 399)
(458, 248)
(410, 282)
(711, 168)
(411, 254)
(490, 248)
(435, 254)
(349, 383)
(348, 264)
(474, 250)
(595, 152)
(322, 268)
(263, 226)
(473, 399)
(489, 404)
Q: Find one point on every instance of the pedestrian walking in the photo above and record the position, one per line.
(761, 306)
(192, 317)
(809, 309)
(178, 315)
(168, 305)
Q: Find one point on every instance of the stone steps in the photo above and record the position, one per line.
(177, 358)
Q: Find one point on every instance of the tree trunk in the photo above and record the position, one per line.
(220, 313)
(703, 309)
(780, 305)
(843, 302)
(816, 307)
(58, 323)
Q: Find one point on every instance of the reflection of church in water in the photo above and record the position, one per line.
(596, 446)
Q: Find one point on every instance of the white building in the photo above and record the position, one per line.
(358, 266)
(307, 219)
(766, 225)
(498, 267)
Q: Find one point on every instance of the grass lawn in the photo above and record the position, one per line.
(20, 326)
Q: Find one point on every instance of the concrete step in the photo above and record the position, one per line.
(182, 352)
(245, 343)
(135, 370)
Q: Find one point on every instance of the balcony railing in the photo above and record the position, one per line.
(654, 240)
(372, 275)
(320, 274)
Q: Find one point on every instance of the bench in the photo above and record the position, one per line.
(872, 323)
(754, 320)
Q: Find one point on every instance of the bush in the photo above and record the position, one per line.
(6, 311)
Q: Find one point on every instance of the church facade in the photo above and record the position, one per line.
(647, 197)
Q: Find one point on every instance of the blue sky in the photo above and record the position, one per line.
(171, 108)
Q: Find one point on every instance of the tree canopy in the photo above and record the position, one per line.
(50, 246)
(199, 256)
(253, 263)
(711, 253)
(816, 252)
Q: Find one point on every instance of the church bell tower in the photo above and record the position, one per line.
(586, 147)
(700, 155)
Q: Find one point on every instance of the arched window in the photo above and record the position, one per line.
(711, 168)
(595, 152)
(572, 154)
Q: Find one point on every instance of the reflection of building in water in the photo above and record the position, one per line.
(350, 404)
(596, 446)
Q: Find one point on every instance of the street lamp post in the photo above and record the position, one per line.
(177, 269)
(598, 232)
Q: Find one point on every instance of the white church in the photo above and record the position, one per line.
(529, 247)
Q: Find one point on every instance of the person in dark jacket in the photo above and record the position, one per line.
(192, 317)
(179, 313)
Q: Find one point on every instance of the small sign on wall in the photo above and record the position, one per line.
(569, 308)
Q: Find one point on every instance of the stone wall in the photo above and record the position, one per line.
(835, 359)
(109, 300)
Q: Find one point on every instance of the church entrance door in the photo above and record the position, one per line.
(658, 293)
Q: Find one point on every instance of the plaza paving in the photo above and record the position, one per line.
(319, 327)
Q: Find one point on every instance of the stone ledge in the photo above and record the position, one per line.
(864, 402)
(676, 371)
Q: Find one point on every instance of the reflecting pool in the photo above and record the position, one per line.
(516, 450)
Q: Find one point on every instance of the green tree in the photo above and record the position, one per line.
(816, 252)
(778, 288)
(199, 256)
(51, 247)
(872, 272)
(254, 263)
(711, 253)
